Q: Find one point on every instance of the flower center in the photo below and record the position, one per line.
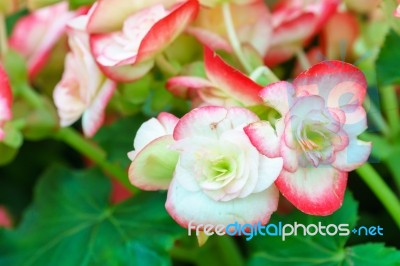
(219, 168)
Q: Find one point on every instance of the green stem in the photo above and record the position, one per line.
(263, 70)
(375, 114)
(391, 108)
(303, 60)
(31, 96)
(95, 154)
(229, 251)
(188, 255)
(233, 38)
(3, 36)
(381, 190)
(166, 66)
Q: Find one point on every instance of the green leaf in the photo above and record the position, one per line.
(320, 250)
(117, 139)
(74, 4)
(388, 7)
(72, 223)
(305, 250)
(372, 254)
(387, 62)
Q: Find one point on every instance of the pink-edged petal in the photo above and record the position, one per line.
(165, 31)
(279, 95)
(209, 38)
(35, 35)
(339, 83)
(6, 96)
(93, 117)
(295, 31)
(168, 120)
(230, 80)
(268, 171)
(162, 160)
(179, 86)
(356, 120)
(212, 121)
(315, 191)
(290, 158)
(278, 54)
(265, 138)
(109, 15)
(187, 206)
(353, 156)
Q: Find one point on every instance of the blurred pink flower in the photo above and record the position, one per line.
(322, 115)
(294, 23)
(129, 54)
(35, 35)
(252, 23)
(83, 90)
(6, 99)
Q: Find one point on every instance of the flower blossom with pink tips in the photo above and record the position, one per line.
(220, 177)
(294, 23)
(252, 22)
(224, 86)
(35, 35)
(83, 90)
(322, 115)
(151, 146)
(6, 99)
(129, 54)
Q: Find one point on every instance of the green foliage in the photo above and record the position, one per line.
(388, 59)
(319, 250)
(72, 223)
(117, 139)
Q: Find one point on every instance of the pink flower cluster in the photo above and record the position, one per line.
(221, 162)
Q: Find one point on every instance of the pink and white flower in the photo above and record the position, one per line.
(224, 86)
(35, 35)
(6, 99)
(220, 177)
(252, 22)
(83, 90)
(129, 54)
(322, 115)
(294, 23)
(151, 147)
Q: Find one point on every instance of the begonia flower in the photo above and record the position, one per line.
(35, 35)
(224, 86)
(294, 23)
(6, 99)
(83, 90)
(252, 23)
(322, 115)
(220, 177)
(129, 54)
(339, 35)
(151, 147)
